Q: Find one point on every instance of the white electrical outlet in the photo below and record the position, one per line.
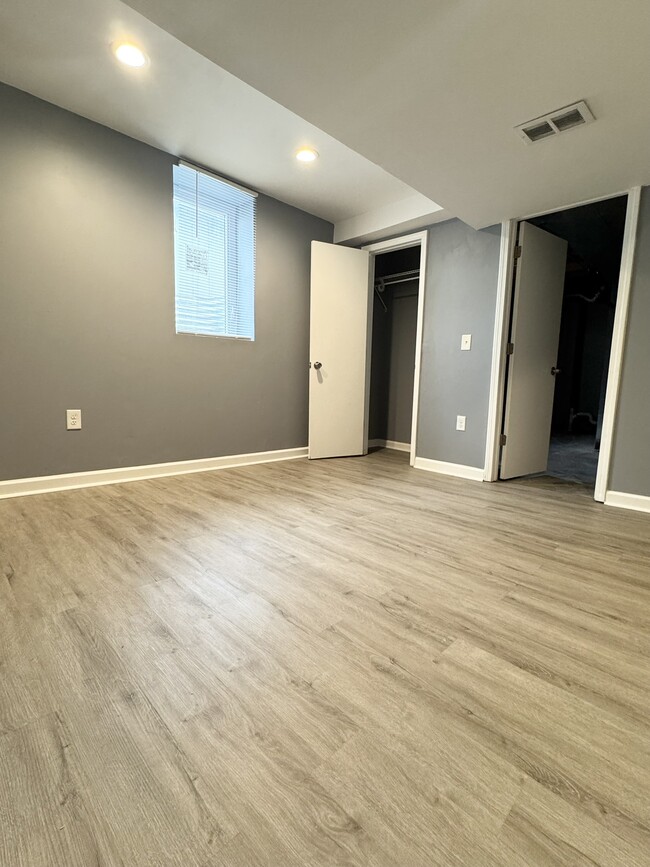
(460, 422)
(466, 342)
(73, 419)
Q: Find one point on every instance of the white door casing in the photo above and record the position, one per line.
(340, 328)
(536, 315)
(417, 239)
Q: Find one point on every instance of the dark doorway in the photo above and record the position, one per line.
(595, 236)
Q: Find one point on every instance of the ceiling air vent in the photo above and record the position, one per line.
(555, 122)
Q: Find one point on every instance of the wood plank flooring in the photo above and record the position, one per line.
(343, 662)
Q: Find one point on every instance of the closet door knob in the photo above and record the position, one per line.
(555, 371)
(317, 365)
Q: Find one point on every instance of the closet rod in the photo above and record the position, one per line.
(401, 277)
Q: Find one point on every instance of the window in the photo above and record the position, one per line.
(214, 254)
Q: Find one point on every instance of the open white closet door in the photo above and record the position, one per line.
(535, 334)
(339, 374)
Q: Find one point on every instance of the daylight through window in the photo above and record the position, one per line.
(214, 254)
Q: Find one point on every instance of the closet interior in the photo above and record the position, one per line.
(394, 328)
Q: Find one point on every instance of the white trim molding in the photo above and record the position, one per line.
(416, 239)
(618, 343)
(400, 243)
(627, 501)
(573, 205)
(475, 474)
(498, 373)
(93, 478)
(389, 444)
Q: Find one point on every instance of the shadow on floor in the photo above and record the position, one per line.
(573, 458)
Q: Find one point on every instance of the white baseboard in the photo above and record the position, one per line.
(70, 481)
(389, 444)
(461, 471)
(627, 501)
(398, 447)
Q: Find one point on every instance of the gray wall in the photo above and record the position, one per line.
(402, 361)
(379, 369)
(460, 298)
(392, 360)
(87, 310)
(630, 469)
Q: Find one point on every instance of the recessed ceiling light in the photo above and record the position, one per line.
(129, 54)
(306, 155)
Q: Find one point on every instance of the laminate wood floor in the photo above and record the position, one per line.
(343, 662)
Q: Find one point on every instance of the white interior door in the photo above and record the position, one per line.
(537, 310)
(339, 374)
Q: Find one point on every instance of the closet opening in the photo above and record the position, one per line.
(395, 306)
(567, 271)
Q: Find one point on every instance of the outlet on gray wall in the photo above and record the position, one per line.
(88, 310)
(460, 298)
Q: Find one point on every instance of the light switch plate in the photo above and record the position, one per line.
(466, 342)
(460, 422)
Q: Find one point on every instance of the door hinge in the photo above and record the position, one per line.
(502, 440)
(510, 348)
(517, 252)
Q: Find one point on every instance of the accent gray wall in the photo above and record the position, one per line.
(87, 310)
(392, 360)
(630, 468)
(402, 361)
(379, 370)
(460, 298)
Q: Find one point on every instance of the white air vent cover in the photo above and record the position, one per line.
(555, 122)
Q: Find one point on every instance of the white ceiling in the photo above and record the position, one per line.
(431, 89)
(183, 103)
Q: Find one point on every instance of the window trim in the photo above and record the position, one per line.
(204, 171)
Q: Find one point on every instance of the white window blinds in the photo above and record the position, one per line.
(214, 254)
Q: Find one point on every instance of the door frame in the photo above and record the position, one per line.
(416, 239)
(502, 324)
